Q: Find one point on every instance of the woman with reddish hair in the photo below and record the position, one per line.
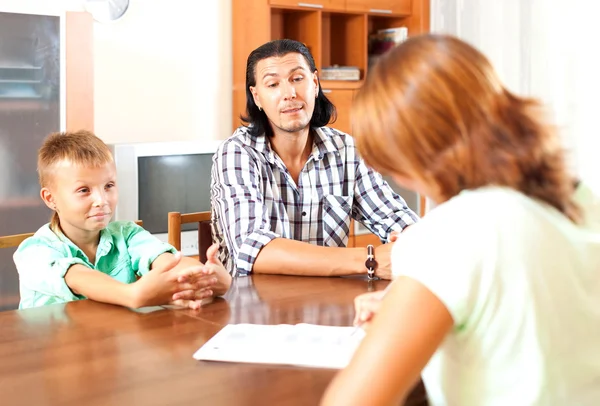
(496, 299)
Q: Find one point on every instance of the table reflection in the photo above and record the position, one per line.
(274, 299)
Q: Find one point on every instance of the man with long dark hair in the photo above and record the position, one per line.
(285, 186)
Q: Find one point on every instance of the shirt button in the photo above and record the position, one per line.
(303, 213)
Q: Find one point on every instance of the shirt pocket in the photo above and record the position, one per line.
(337, 212)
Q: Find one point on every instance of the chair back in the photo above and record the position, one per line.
(176, 219)
(11, 241)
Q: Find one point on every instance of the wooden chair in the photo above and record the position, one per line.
(16, 239)
(176, 219)
(13, 240)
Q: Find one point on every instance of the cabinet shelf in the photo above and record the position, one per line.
(9, 105)
(341, 84)
(381, 7)
(344, 40)
(336, 5)
(376, 7)
(300, 25)
(18, 65)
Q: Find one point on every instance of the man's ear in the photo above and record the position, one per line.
(255, 96)
(48, 198)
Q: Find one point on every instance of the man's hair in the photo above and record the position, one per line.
(256, 119)
(80, 148)
(434, 110)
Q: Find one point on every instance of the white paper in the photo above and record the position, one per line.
(306, 345)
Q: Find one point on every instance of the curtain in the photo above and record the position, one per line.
(547, 49)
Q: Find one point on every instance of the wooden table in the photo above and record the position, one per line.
(88, 353)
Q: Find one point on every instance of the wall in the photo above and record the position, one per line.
(162, 72)
(40, 6)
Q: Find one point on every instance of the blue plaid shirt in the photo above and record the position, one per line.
(254, 198)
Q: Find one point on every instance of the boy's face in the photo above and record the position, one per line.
(85, 198)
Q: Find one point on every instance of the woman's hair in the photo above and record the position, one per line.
(433, 110)
(257, 120)
(80, 148)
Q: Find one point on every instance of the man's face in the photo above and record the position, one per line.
(286, 90)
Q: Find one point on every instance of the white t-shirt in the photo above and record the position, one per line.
(522, 284)
(589, 202)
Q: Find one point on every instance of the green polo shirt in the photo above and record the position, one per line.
(126, 251)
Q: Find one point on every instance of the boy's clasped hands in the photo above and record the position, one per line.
(184, 287)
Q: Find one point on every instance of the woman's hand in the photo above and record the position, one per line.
(366, 306)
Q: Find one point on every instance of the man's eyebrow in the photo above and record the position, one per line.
(299, 67)
(270, 74)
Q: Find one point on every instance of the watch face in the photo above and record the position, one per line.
(370, 264)
(106, 10)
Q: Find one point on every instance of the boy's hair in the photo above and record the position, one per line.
(434, 110)
(80, 148)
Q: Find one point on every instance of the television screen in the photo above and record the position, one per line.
(172, 183)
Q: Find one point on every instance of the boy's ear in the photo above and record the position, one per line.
(48, 198)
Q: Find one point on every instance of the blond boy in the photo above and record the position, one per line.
(81, 254)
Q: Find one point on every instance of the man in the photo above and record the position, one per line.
(285, 187)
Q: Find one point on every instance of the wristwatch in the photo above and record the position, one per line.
(370, 263)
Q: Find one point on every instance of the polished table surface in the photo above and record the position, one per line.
(96, 354)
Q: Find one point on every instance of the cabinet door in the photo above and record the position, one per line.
(401, 7)
(342, 100)
(32, 105)
(339, 5)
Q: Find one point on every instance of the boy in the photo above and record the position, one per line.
(81, 254)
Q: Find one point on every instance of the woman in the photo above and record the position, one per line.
(497, 298)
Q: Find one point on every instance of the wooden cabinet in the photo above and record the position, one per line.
(342, 100)
(361, 240)
(299, 25)
(365, 239)
(391, 7)
(344, 42)
(337, 5)
(34, 103)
